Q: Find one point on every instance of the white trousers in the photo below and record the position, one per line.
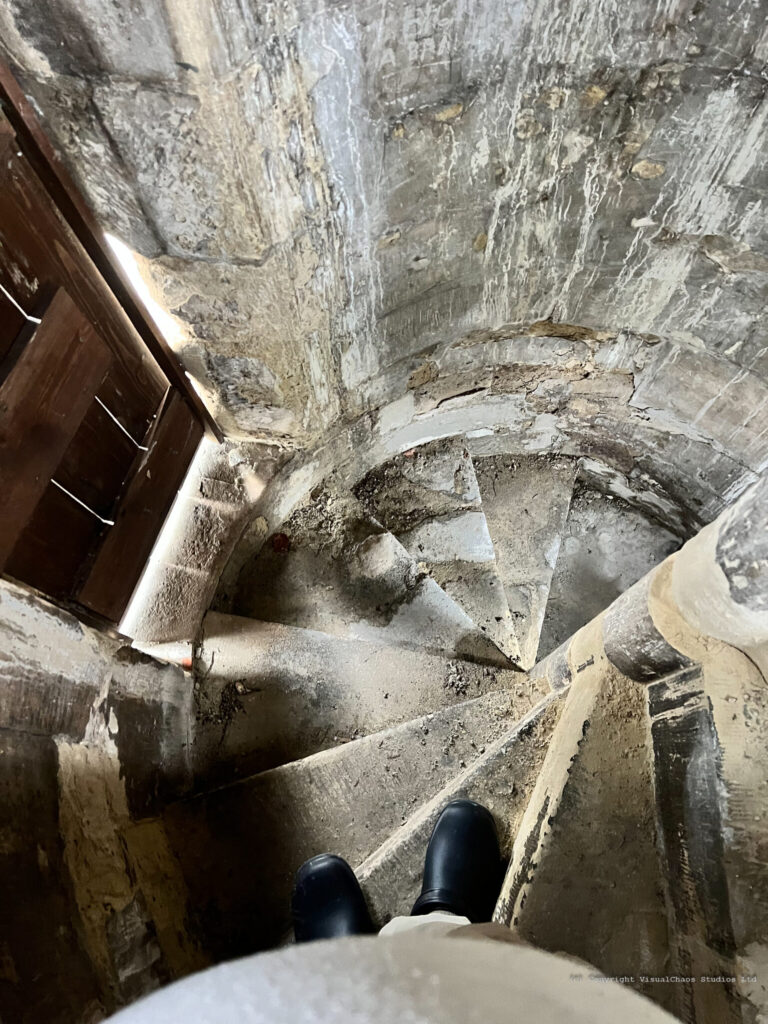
(434, 925)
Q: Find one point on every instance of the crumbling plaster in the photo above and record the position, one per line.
(333, 198)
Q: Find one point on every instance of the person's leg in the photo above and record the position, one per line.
(435, 924)
(462, 879)
(462, 873)
(328, 902)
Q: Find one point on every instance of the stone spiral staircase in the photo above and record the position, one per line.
(455, 623)
(518, 227)
(374, 658)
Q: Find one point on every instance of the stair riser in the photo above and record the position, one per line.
(333, 568)
(589, 827)
(272, 693)
(240, 846)
(525, 502)
(430, 500)
(502, 779)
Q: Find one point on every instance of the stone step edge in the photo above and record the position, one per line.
(422, 813)
(457, 783)
(302, 763)
(167, 652)
(574, 476)
(505, 661)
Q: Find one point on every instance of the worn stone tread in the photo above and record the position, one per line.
(585, 874)
(332, 567)
(525, 501)
(239, 846)
(270, 693)
(429, 499)
(502, 778)
(606, 546)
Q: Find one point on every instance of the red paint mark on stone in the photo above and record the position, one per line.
(409, 454)
(281, 543)
(186, 663)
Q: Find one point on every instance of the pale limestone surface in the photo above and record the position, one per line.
(526, 502)
(336, 201)
(429, 498)
(332, 567)
(294, 691)
(606, 546)
(316, 805)
(540, 227)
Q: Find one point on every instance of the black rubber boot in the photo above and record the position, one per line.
(462, 872)
(328, 902)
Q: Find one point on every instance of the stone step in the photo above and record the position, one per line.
(269, 693)
(429, 499)
(525, 502)
(333, 568)
(502, 778)
(606, 546)
(585, 874)
(239, 846)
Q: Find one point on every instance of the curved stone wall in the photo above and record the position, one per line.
(666, 431)
(538, 224)
(338, 200)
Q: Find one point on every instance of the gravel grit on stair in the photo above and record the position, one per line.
(332, 567)
(429, 499)
(269, 693)
(502, 779)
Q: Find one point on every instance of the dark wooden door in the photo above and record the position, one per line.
(94, 437)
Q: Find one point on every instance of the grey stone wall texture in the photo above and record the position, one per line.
(351, 204)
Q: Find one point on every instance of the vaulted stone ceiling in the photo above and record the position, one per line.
(347, 206)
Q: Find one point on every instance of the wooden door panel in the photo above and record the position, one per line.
(55, 547)
(94, 442)
(11, 322)
(66, 197)
(97, 461)
(127, 545)
(45, 250)
(16, 294)
(42, 403)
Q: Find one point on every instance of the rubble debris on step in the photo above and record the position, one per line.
(269, 693)
(607, 545)
(239, 846)
(334, 568)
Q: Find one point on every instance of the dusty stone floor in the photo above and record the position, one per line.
(605, 548)
(336, 203)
